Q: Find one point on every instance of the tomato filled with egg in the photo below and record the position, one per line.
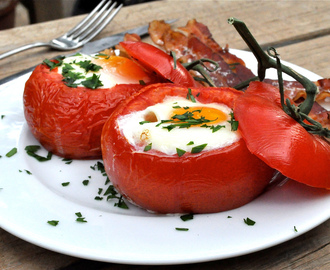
(67, 101)
(172, 149)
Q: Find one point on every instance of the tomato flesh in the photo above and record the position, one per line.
(279, 140)
(156, 60)
(210, 181)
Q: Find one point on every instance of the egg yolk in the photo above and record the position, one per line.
(122, 66)
(210, 114)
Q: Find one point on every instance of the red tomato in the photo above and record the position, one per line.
(68, 121)
(279, 140)
(156, 60)
(210, 181)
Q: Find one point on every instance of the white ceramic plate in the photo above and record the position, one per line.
(134, 236)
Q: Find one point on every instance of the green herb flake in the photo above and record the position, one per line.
(31, 151)
(176, 107)
(87, 65)
(28, 172)
(85, 182)
(98, 198)
(147, 147)
(190, 96)
(65, 184)
(249, 221)
(67, 160)
(141, 82)
(2, 116)
(198, 148)
(80, 218)
(92, 82)
(229, 217)
(121, 203)
(190, 143)
(180, 152)
(52, 64)
(11, 152)
(187, 217)
(295, 228)
(233, 122)
(182, 229)
(144, 122)
(53, 222)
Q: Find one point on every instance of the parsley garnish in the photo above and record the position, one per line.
(249, 222)
(187, 217)
(121, 203)
(80, 218)
(87, 65)
(85, 182)
(92, 82)
(233, 122)
(67, 160)
(182, 229)
(31, 151)
(190, 96)
(52, 64)
(147, 147)
(2, 116)
(295, 229)
(198, 148)
(65, 184)
(190, 143)
(53, 222)
(11, 152)
(180, 152)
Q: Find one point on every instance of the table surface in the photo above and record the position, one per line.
(300, 31)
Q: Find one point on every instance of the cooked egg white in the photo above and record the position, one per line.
(148, 128)
(113, 70)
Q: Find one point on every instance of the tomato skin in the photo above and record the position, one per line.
(155, 60)
(207, 182)
(279, 140)
(68, 121)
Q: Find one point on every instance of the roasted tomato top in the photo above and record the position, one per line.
(68, 121)
(205, 181)
(279, 140)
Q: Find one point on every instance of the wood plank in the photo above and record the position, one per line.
(308, 18)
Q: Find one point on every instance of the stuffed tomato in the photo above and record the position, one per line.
(66, 102)
(172, 149)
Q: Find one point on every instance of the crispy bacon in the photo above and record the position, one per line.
(197, 42)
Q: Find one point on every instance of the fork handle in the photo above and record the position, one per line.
(23, 48)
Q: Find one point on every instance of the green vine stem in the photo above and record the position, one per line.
(266, 61)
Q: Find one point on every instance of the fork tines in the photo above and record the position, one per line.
(95, 21)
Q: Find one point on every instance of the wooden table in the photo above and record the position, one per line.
(300, 30)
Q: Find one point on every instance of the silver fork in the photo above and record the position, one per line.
(81, 33)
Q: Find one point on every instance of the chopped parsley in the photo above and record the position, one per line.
(187, 217)
(80, 218)
(67, 160)
(180, 152)
(31, 151)
(147, 147)
(198, 148)
(87, 65)
(92, 82)
(190, 143)
(191, 96)
(53, 222)
(121, 203)
(11, 152)
(52, 64)
(65, 184)
(249, 221)
(85, 182)
(295, 229)
(2, 116)
(182, 229)
(233, 122)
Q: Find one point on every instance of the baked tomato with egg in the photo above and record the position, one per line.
(66, 102)
(173, 149)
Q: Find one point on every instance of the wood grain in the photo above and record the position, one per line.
(301, 32)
